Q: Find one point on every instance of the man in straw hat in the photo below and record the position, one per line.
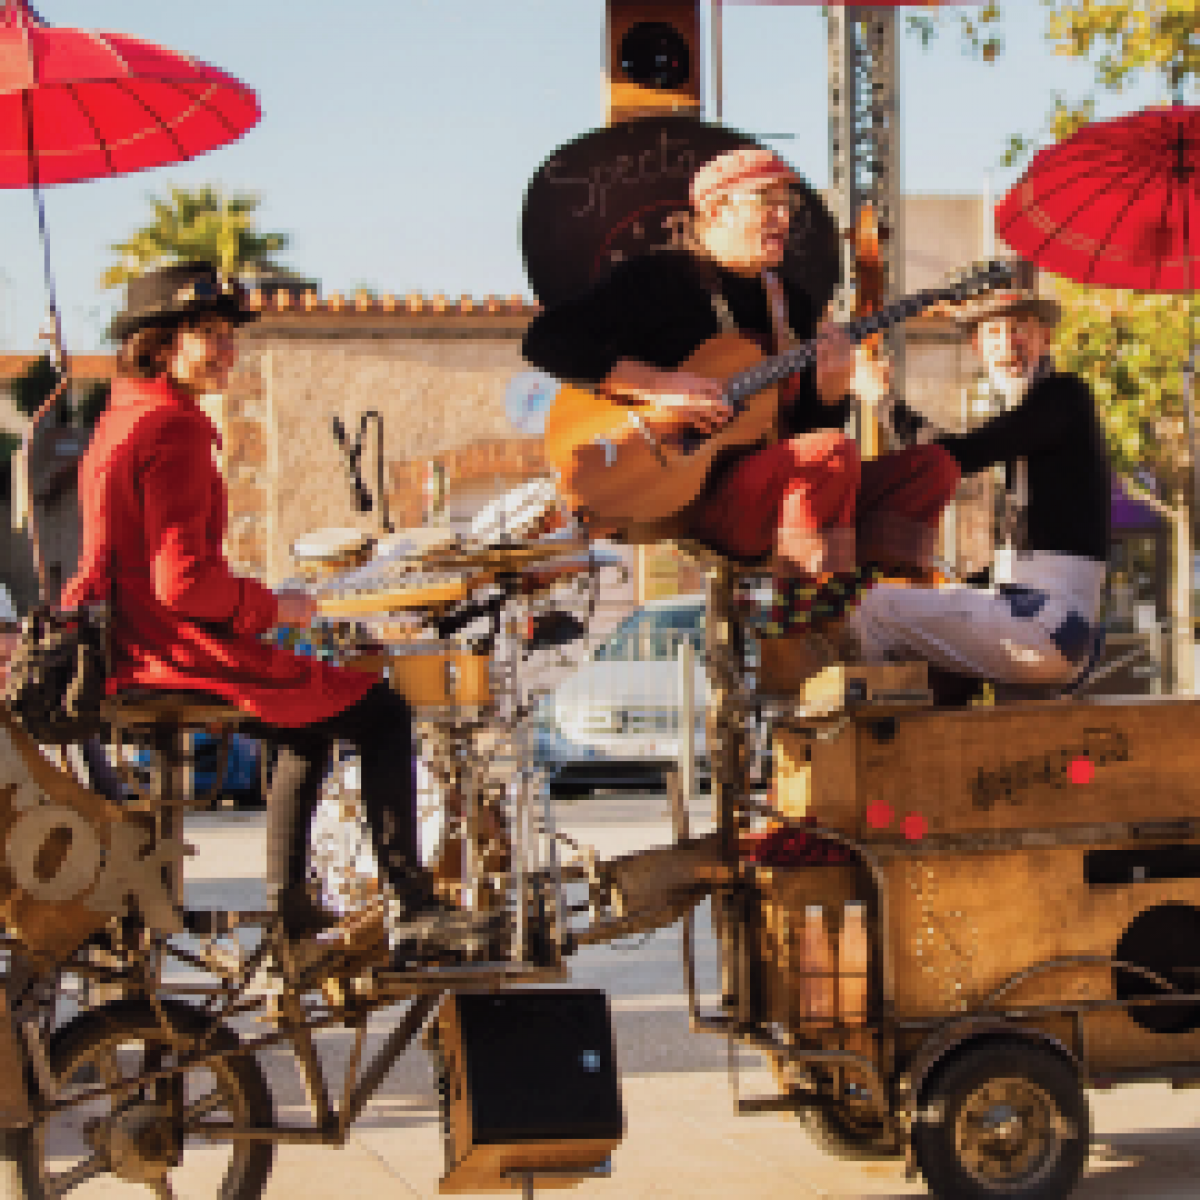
(805, 504)
(1037, 624)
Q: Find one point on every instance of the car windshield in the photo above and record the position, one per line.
(654, 634)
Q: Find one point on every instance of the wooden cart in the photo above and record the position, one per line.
(1031, 881)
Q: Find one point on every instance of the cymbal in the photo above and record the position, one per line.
(559, 570)
(415, 541)
(502, 558)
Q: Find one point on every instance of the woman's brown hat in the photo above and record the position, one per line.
(184, 289)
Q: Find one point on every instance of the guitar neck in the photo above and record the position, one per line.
(771, 370)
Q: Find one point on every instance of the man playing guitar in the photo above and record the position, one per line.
(804, 503)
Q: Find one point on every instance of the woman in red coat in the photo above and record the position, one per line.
(154, 519)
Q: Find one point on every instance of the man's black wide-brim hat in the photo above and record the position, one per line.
(181, 290)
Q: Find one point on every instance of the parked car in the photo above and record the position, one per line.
(242, 782)
(615, 722)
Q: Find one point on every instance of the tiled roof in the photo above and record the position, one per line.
(83, 366)
(284, 301)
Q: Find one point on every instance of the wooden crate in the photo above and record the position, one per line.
(781, 895)
(997, 769)
(961, 926)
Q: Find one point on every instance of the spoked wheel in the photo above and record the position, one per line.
(1005, 1119)
(148, 1134)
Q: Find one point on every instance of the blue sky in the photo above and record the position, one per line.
(398, 136)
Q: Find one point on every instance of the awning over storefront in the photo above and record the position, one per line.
(1130, 515)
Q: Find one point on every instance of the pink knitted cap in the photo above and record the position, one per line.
(752, 166)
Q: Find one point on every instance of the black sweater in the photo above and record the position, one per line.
(657, 309)
(1057, 431)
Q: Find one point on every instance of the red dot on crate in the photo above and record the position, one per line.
(879, 814)
(1082, 770)
(915, 827)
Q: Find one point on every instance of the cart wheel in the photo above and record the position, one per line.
(136, 1135)
(1004, 1118)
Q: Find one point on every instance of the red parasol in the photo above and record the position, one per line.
(1115, 205)
(849, 3)
(75, 104)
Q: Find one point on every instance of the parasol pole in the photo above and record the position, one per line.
(60, 356)
(716, 38)
(1184, 621)
(1189, 384)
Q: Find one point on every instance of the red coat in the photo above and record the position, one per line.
(154, 515)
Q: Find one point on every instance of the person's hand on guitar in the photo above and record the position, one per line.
(679, 399)
(295, 608)
(691, 402)
(836, 363)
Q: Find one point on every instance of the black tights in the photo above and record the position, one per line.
(380, 725)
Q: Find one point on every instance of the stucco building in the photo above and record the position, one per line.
(437, 370)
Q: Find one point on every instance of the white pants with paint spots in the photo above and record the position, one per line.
(970, 631)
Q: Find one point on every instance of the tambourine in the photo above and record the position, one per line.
(329, 551)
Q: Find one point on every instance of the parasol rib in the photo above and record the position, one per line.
(1134, 192)
(150, 111)
(100, 39)
(69, 88)
(1189, 263)
(1055, 228)
(202, 102)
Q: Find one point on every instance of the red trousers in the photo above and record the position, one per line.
(813, 506)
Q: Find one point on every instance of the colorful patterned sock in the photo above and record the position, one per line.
(799, 605)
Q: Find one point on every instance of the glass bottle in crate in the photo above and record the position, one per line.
(816, 968)
(852, 965)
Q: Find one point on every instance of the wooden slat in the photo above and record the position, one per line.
(962, 925)
(395, 599)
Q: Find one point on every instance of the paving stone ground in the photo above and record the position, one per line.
(683, 1140)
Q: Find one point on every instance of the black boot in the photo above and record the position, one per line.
(301, 913)
(423, 928)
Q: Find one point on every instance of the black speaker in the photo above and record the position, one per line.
(529, 1084)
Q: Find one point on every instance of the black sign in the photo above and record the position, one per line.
(618, 192)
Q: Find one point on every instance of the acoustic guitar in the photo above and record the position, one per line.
(622, 463)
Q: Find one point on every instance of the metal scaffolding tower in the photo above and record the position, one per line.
(864, 142)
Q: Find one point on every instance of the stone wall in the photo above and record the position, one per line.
(440, 389)
(440, 395)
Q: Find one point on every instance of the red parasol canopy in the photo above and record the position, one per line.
(76, 104)
(1115, 205)
(850, 3)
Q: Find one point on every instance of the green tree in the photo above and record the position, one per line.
(206, 224)
(1124, 37)
(34, 385)
(1132, 347)
(31, 388)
